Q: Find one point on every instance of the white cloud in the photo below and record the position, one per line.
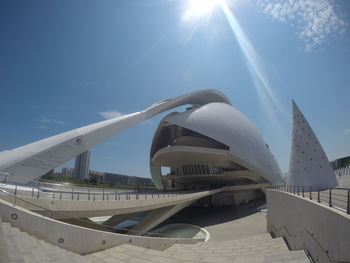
(314, 20)
(347, 131)
(48, 120)
(111, 114)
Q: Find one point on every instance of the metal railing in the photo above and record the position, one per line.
(338, 198)
(92, 194)
(87, 222)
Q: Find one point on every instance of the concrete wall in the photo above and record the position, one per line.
(75, 238)
(307, 225)
(234, 198)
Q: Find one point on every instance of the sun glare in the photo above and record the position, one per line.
(202, 6)
(199, 8)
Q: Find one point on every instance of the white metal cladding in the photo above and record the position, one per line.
(227, 125)
(308, 164)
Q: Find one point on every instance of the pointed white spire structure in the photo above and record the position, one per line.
(308, 164)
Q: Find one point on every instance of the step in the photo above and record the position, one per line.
(262, 248)
(11, 244)
(3, 251)
(24, 248)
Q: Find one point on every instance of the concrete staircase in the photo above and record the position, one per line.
(258, 248)
(20, 247)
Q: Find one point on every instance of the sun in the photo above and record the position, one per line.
(202, 6)
(199, 8)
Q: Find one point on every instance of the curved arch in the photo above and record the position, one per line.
(28, 162)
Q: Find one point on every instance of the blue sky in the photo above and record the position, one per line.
(65, 64)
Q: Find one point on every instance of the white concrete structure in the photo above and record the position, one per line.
(26, 163)
(211, 115)
(308, 164)
(213, 144)
(304, 224)
(78, 239)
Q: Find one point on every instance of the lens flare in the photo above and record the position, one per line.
(203, 9)
(256, 69)
(254, 63)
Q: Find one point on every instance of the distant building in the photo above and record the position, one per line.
(81, 168)
(341, 166)
(111, 178)
(67, 172)
(341, 162)
(96, 176)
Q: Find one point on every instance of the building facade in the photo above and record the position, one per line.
(112, 178)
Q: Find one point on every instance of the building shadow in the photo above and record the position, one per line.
(208, 216)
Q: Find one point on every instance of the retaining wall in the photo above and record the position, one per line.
(75, 238)
(322, 231)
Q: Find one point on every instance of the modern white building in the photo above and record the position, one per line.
(209, 145)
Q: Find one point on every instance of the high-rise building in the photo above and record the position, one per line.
(81, 168)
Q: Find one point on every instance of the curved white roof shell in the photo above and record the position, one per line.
(225, 124)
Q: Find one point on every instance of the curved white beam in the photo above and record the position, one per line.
(28, 162)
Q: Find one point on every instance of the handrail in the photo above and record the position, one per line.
(82, 220)
(328, 196)
(66, 184)
(91, 195)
